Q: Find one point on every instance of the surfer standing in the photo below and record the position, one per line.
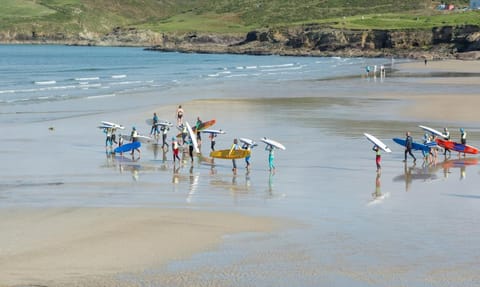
(212, 137)
(408, 147)
(164, 130)
(198, 125)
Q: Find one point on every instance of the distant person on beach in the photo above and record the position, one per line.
(134, 136)
(190, 148)
(109, 138)
(179, 115)
(378, 157)
(246, 146)
(212, 137)
(198, 125)
(446, 136)
(154, 130)
(426, 153)
(184, 133)
(271, 157)
(382, 71)
(234, 162)
(367, 70)
(425, 62)
(408, 147)
(463, 136)
(175, 149)
(164, 129)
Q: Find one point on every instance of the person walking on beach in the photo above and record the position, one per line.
(212, 137)
(408, 147)
(134, 136)
(175, 150)
(164, 129)
(271, 157)
(154, 130)
(190, 148)
(198, 125)
(463, 137)
(179, 115)
(109, 138)
(446, 136)
(184, 133)
(426, 153)
(246, 146)
(234, 162)
(378, 157)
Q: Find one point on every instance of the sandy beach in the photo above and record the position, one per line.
(58, 245)
(73, 215)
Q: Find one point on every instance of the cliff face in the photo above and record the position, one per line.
(443, 42)
(308, 40)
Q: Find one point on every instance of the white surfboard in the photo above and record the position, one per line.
(213, 131)
(113, 125)
(377, 142)
(247, 141)
(193, 137)
(140, 138)
(273, 143)
(433, 131)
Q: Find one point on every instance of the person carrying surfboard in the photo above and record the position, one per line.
(378, 157)
(197, 129)
(446, 136)
(175, 150)
(164, 129)
(408, 147)
(234, 162)
(271, 157)
(154, 130)
(246, 146)
(134, 136)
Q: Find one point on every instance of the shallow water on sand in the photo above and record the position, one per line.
(346, 225)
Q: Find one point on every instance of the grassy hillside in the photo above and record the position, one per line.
(222, 16)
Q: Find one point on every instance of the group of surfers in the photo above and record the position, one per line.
(158, 129)
(430, 154)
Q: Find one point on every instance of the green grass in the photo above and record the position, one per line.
(223, 16)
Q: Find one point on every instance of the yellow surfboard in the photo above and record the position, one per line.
(230, 154)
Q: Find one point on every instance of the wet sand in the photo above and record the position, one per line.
(57, 244)
(72, 215)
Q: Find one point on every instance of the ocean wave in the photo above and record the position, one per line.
(277, 66)
(51, 82)
(87, 79)
(101, 96)
(118, 76)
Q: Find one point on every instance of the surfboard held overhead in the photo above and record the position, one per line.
(377, 142)
(273, 143)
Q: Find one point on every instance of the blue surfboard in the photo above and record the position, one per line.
(415, 146)
(127, 147)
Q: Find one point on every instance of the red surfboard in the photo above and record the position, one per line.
(451, 145)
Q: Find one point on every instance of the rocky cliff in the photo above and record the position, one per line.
(307, 40)
(313, 40)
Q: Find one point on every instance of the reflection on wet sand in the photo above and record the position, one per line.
(429, 172)
(377, 195)
(411, 173)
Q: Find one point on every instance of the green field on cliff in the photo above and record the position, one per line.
(223, 16)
